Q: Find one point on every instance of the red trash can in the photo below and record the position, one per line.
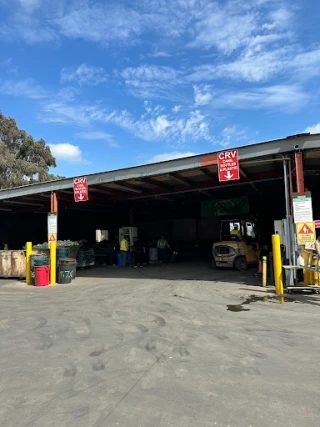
(41, 274)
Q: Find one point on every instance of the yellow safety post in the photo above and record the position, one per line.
(277, 264)
(264, 271)
(53, 262)
(28, 263)
(307, 274)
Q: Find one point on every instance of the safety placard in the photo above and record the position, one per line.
(302, 208)
(52, 227)
(80, 189)
(52, 223)
(228, 165)
(305, 233)
(52, 237)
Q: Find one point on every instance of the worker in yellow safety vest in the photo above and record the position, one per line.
(235, 231)
(124, 248)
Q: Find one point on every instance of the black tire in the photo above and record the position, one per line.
(241, 264)
(214, 265)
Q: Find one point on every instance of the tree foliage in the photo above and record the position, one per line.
(22, 159)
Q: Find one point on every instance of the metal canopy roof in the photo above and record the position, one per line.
(163, 181)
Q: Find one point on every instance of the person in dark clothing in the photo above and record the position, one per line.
(138, 252)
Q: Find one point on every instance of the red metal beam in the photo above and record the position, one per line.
(299, 173)
(54, 203)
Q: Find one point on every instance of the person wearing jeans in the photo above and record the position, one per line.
(124, 247)
(163, 247)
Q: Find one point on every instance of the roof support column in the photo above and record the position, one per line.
(54, 202)
(299, 172)
(131, 217)
(53, 245)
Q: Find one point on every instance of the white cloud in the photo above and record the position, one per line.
(6, 62)
(68, 93)
(29, 4)
(170, 156)
(287, 98)
(84, 74)
(161, 127)
(98, 135)
(252, 68)
(151, 126)
(67, 152)
(94, 135)
(67, 113)
(257, 66)
(25, 25)
(307, 64)
(149, 73)
(160, 124)
(160, 54)
(281, 17)
(225, 28)
(25, 88)
(229, 135)
(101, 23)
(202, 95)
(149, 81)
(313, 129)
(176, 108)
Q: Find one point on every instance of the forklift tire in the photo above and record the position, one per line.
(241, 264)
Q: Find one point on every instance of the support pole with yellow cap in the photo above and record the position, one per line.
(277, 264)
(53, 245)
(28, 262)
(53, 263)
(264, 271)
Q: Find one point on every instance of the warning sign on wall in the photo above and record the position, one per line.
(52, 237)
(305, 232)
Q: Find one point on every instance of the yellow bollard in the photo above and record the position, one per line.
(307, 274)
(277, 264)
(264, 271)
(28, 263)
(316, 265)
(53, 262)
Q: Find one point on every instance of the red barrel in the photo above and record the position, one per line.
(41, 274)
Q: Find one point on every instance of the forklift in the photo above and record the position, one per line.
(239, 244)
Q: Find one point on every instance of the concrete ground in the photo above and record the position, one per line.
(157, 347)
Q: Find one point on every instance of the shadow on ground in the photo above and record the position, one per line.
(196, 271)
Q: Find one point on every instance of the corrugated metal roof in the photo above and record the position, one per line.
(197, 173)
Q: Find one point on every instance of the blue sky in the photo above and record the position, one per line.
(110, 84)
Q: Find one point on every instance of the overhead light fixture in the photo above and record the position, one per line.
(5, 209)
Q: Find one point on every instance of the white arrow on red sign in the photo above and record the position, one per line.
(229, 175)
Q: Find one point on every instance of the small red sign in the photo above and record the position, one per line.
(228, 165)
(317, 224)
(305, 230)
(80, 189)
(52, 238)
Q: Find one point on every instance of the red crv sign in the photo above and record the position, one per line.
(80, 189)
(228, 165)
